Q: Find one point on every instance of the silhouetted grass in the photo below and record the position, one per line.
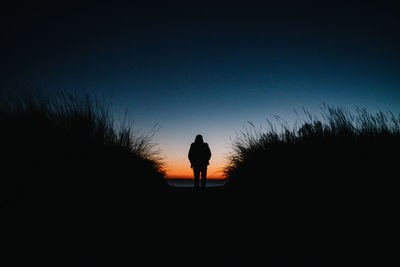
(343, 159)
(66, 148)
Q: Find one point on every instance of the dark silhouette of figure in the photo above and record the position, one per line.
(199, 156)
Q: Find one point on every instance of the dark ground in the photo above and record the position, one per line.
(212, 227)
(188, 183)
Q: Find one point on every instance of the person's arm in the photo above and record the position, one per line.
(208, 152)
(190, 155)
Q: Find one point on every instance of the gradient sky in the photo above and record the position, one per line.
(207, 69)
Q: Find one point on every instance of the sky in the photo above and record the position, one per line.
(206, 67)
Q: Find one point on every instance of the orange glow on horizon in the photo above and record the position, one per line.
(189, 175)
(176, 162)
(181, 169)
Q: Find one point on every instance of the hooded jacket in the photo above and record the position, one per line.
(199, 153)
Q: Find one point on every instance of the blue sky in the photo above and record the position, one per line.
(208, 70)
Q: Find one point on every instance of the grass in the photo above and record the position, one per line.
(67, 148)
(343, 159)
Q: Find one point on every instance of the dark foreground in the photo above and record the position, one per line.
(211, 227)
(291, 226)
(189, 183)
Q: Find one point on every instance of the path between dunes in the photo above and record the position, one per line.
(189, 183)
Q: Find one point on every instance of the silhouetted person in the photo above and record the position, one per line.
(199, 156)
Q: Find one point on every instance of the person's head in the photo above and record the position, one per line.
(199, 139)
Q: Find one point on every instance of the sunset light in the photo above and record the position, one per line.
(200, 133)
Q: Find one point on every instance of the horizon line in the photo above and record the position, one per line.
(191, 177)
